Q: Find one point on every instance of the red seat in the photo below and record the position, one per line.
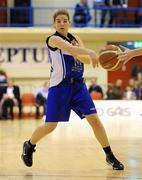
(96, 95)
(28, 100)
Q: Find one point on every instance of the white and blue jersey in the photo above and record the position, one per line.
(67, 88)
(63, 64)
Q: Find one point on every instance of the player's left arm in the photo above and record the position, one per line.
(134, 53)
(128, 54)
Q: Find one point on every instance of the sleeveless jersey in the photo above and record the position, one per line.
(63, 64)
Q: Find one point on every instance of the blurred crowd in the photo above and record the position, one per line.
(132, 91)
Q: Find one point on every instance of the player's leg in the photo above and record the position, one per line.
(42, 131)
(83, 105)
(58, 109)
(29, 146)
(49, 125)
(98, 129)
(101, 136)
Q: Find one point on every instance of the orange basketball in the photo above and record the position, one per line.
(108, 58)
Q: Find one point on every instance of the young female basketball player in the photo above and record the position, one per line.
(128, 54)
(67, 89)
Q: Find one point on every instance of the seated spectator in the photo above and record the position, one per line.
(135, 86)
(3, 82)
(139, 91)
(94, 87)
(114, 91)
(41, 96)
(131, 83)
(3, 77)
(82, 14)
(3, 73)
(109, 92)
(129, 94)
(10, 98)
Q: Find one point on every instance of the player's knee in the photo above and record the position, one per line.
(53, 127)
(49, 127)
(94, 120)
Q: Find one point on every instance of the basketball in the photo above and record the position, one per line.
(108, 58)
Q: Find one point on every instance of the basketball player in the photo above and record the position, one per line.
(67, 89)
(128, 54)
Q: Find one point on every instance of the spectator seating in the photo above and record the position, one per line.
(28, 100)
(96, 95)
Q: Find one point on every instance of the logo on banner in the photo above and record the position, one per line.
(116, 111)
(23, 54)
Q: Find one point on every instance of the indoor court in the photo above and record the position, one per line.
(71, 152)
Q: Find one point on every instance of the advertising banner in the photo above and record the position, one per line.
(119, 109)
(24, 59)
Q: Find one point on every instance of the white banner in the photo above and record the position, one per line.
(25, 59)
(119, 109)
(19, 53)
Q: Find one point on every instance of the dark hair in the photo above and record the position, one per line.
(61, 12)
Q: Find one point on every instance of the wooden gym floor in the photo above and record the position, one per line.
(71, 152)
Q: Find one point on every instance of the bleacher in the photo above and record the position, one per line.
(29, 13)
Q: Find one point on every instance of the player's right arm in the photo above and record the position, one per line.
(57, 42)
(84, 58)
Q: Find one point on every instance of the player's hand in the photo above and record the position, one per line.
(74, 43)
(125, 55)
(123, 48)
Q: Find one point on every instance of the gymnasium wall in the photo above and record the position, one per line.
(24, 57)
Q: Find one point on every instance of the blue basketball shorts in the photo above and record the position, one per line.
(66, 96)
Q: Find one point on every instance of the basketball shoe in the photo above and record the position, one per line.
(27, 155)
(111, 160)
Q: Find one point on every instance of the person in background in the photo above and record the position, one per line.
(68, 90)
(107, 4)
(138, 18)
(94, 87)
(81, 15)
(139, 91)
(129, 93)
(3, 77)
(114, 91)
(41, 97)
(109, 92)
(135, 87)
(3, 82)
(11, 97)
(112, 13)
